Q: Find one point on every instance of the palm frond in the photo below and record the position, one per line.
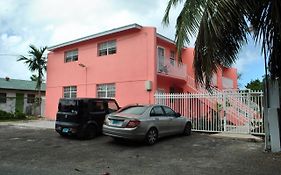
(36, 62)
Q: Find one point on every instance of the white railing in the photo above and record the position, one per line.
(175, 70)
(214, 112)
(239, 109)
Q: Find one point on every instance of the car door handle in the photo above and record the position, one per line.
(156, 118)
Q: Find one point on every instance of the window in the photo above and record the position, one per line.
(112, 106)
(172, 58)
(106, 90)
(96, 106)
(107, 48)
(71, 55)
(69, 92)
(136, 110)
(30, 98)
(3, 97)
(157, 111)
(169, 111)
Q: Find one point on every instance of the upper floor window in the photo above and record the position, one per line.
(107, 48)
(71, 55)
(3, 97)
(172, 57)
(70, 92)
(106, 90)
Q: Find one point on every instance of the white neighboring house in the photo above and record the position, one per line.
(20, 95)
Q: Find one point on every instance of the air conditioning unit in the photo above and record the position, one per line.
(148, 85)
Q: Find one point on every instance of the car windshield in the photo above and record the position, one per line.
(67, 105)
(136, 110)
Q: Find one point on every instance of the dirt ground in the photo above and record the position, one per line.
(42, 151)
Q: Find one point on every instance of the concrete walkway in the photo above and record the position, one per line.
(246, 137)
(40, 124)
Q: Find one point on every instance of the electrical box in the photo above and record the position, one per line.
(148, 85)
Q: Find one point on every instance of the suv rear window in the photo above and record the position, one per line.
(137, 110)
(68, 105)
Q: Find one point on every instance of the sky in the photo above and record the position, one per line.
(51, 22)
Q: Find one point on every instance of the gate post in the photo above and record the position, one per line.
(224, 110)
(249, 117)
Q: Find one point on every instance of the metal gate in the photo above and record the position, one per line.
(226, 111)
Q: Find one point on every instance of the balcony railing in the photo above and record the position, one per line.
(227, 83)
(172, 69)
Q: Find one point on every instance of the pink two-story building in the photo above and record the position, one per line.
(129, 63)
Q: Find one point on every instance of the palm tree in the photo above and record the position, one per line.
(34, 77)
(36, 62)
(221, 28)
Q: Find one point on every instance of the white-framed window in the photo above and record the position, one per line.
(107, 48)
(106, 90)
(3, 97)
(71, 55)
(70, 92)
(172, 57)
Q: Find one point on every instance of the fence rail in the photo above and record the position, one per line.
(228, 111)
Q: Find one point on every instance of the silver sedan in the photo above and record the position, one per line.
(145, 122)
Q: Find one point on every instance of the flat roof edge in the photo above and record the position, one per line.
(108, 32)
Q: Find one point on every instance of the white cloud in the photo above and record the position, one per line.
(50, 22)
(247, 58)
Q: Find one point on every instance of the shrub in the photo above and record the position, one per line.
(19, 115)
(5, 115)
(8, 115)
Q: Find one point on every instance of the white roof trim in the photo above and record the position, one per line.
(165, 39)
(120, 29)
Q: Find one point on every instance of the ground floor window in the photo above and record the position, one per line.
(106, 90)
(70, 92)
(3, 97)
(30, 98)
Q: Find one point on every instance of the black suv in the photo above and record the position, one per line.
(83, 117)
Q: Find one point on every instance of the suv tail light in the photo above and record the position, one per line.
(133, 123)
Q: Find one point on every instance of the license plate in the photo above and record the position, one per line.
(65, 130)
(116, 122)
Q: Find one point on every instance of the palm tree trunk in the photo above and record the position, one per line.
(39, 91)
(39, 95)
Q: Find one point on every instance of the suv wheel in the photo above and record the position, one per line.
(91, 132)
(151, 136)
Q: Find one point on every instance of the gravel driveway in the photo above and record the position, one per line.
(42, 151)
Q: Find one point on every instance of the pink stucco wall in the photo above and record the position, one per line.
(134, 63)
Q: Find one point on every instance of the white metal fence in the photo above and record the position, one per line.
(227, 111)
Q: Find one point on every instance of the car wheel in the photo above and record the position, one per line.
(91, 132)
(151, 136)
(187, 129)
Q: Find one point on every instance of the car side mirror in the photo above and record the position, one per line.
(178, 114)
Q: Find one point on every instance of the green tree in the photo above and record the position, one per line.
(36, 62)
(255, 85)
(34, 77)
(221, 28)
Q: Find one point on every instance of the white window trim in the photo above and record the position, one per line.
(106, 90)
(107, 47)
(71, 91)
(72, 55)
